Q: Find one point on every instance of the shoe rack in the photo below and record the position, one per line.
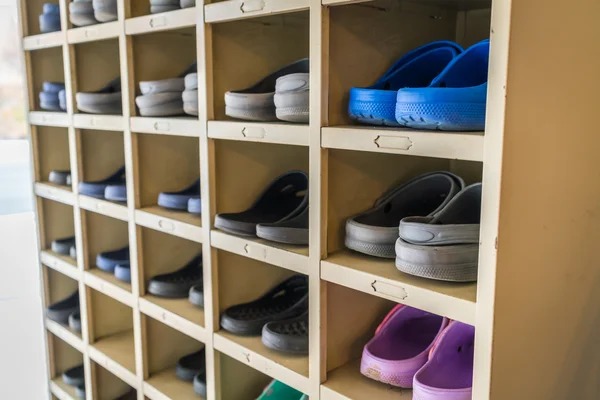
(539, 173)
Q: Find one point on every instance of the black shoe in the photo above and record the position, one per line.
(177, 284)
(63, 246)
(196, 295)
(200, 384)
(191, 365)
(61, 310)
(288, 336)
(80, 392)
(75, 321)
(74, 376)
(286, 300)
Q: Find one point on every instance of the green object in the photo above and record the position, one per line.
(279, 391)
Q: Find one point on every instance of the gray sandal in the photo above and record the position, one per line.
(104, 101)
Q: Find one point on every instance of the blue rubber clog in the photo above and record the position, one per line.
(97, 188)
(455, 100)
(49, 98)
(123, 272)
(194, 205)
(376, 105)
(108, 260)
(50, 18)
(179, 200)
(116, 192)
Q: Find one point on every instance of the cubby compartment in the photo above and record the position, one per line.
(355, 181)
(235, 272)
(64, 357)
(31, 17)
(56, 223)
(96, 64)
(52, 146)
(166, 164)
(243, 170)
(160, 254)
(58, 287)
(46, 66)
(161, 361)
(249, 383)
(365, 39)
(104, 234)
(111, 334)
(108, 386)
(262, 45)
(347, 334)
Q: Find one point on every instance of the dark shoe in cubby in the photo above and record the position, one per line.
(74, 376)
(288, 335)
(75, 321)
(180, 200)
(191, 365)
(60, 311)
(177, 284)
(63, 246)
(62, 178)
(97, 188)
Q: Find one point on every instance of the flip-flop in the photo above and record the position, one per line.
(376, 104)
(287, 299)
(97, 188)
(291, 97)
(455, 100)
(179, 200)
(177, 284)
(283, 199)
(60, 177)
(256, 103)
(61, 310)
(108, 260)
(75, 321)
(200, 385)
(50, 18)
(196, 295)
(63, 246)
(116, 192)
(104, 101)
(280, 391)
(194, 205)
(401, 345)
(191, 365)
(123, 272)
(74, 376)
(290, 231)
(374, 231)
(288, 336)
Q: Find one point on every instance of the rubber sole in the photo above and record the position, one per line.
(50, 105)
(373, 107)
(279, 343)
(194, 206)
(293, 114)
(232, 227)
(49, 23)
(295, 236)
(253, 114)
(196, 297)
(161, 290)
(75, 322)
(112, 109)
(371, 249)
(442, 116)
(123, 273)
(74, 376)
(292, 106)
(200, 385)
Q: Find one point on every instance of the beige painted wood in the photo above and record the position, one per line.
(164, 21)
(54, 192)
(165, 385)
(237, 9)
(49, 118)
(179, 314)
(43, 41)
(95, 32)
(105, 283)
(181, 126)
(282, 133)
(109, 386)
(63, 264)
(62, 391)
(103, 122)
(104, 207)
(168, 221)
(66, 334)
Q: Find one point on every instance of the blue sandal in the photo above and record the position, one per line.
(455, 100)
(97, 188)
(376, 105)
(179, 200)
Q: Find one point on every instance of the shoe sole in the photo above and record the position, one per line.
(371, 249)
(442, 116)
(283, 235)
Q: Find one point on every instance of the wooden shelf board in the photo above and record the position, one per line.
(51, 191)
(232, 9)
(347, 383)
(446, 4)
(165, 385)
(294, 258)
(342, 2)
(265, 132)
(179, 314)
(49, 118)
(116, 353)
(63, 264)
(177, 223)
(177, 126)
(455, 145)
(61, 390)
(289, 369)
(109, 208)
(161, 22)
(98, 121)
(95, 32)
(43, 41)
(380, 277)
(66, 334)
(108, 284)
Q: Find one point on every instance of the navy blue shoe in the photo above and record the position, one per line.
(50, 18)
(376, 104)
(116, 192)
(123, 272)
(108, 260)
(96, 189)
(455, 100)
(179, 200)
(49, 99)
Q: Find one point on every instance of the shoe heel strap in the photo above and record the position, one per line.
(388, 316)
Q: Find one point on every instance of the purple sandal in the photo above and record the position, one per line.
(448, 375)
(401, 345)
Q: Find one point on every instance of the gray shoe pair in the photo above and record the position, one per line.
(445, 245)
(164, 97)
(89, 12)
(104, 101)
(160, 6)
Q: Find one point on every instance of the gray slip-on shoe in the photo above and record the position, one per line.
(375, 231)
(256, 103)
(187, 3)
(292, 97)
(162, 9)
(104, 101)
(456, 223)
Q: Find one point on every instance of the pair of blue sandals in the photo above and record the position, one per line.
(437, 86)
(115, 262)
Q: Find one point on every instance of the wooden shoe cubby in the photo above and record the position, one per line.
(531, 166)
